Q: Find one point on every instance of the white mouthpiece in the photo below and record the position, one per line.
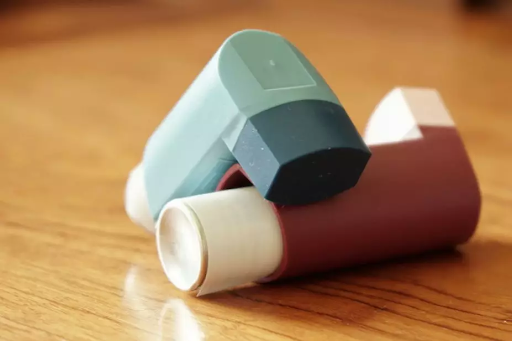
(217, 241)
(135, 200)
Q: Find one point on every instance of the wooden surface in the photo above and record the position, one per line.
(78, 99)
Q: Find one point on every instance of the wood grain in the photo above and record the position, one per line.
(77, 105)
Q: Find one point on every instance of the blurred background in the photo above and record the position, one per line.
(35, 20)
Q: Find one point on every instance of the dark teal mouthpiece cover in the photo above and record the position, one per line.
(301, 152)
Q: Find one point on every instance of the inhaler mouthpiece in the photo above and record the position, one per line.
(218, 241)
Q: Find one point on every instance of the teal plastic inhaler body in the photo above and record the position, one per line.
(261, 103)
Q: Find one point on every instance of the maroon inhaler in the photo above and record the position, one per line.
(415, 195)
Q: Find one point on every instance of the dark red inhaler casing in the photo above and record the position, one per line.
(418, 193)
